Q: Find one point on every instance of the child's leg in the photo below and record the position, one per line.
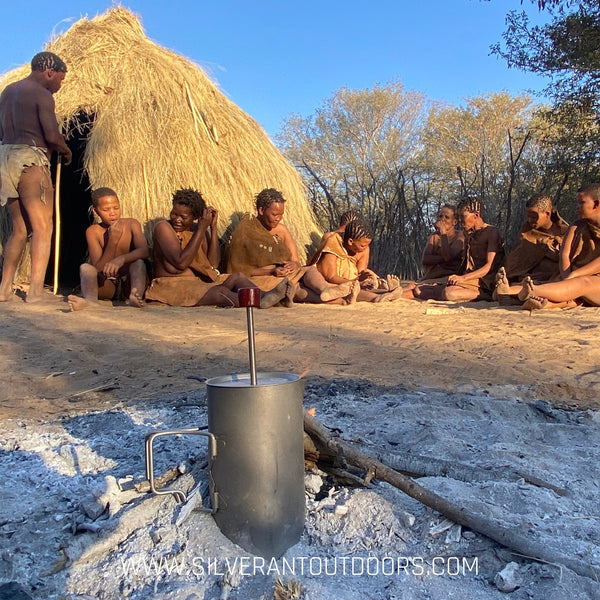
(313, 281)
(138, 280)
(457, 293)
(89, 288)
(587, 287)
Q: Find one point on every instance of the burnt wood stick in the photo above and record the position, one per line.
(509, 537)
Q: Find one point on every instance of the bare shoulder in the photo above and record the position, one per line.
(283, 232)
(162, 229)
(95, 230)
(131, 223)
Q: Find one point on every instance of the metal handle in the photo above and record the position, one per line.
(180, 494)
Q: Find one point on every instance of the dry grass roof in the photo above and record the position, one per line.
(160, 124)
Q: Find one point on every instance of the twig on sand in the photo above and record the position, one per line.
(101, 388)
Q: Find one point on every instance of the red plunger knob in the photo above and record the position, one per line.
(249, 297)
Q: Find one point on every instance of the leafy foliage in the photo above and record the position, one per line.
(566, 50)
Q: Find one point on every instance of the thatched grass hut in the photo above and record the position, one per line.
(146, 121)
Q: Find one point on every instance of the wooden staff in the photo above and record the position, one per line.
(57, 222)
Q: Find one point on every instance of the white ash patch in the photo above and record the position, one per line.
(366, 521)
(71, 489)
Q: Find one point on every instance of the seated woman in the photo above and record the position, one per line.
(345, 218)
(443, 253)
(340, 260)
(263, 248)
(185, 260)
(579, 261)
(536, 254)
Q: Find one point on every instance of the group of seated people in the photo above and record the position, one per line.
(552, 265)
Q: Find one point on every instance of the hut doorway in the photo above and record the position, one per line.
(74, 210)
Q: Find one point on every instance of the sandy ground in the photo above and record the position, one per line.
(476, 391)
(50, 357)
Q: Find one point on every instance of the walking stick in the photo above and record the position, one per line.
(57, 223)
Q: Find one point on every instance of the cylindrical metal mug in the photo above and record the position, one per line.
(257, 460)
(259, 468)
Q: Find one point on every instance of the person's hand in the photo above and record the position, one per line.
(67, 157)
(442, 227)
(115, 231)
(111, 268)
(368, 280)
(215, 216)
(455, 279)
(205, 218)
(287, 268)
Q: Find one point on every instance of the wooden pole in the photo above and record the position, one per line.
(57, 225)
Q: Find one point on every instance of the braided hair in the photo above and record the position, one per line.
(48, 60)
(348, 217)
(542, 202)
(357, 230)
(470, 204)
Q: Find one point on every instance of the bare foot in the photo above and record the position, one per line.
(503, 293)
(135, 299)
(393, 282)
(274, 296)
(390, 296)
(354, 291)
(78, 303)
(300, 294)
(7, 295)
(336, 291)
(535, 303)
(382, 284)
(288, 300)
(527, 290)
(41, 298)
(500, 284)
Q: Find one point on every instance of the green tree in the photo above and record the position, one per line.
(564, 50)
(360, 151)
(482, 149)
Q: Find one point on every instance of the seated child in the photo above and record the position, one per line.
(117, 248)
(186, 260)
(345, 218)
(340, 260)
(579, 261)
(443, 253)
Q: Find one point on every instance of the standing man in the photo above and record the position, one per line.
(29, 133)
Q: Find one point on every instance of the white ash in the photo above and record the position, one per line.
(59, 469)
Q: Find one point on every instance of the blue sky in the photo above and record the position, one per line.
(273, 58)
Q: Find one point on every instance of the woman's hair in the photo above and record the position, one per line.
(471, 204)
(348, 217)
(356, 230)
(268, 196)
(540, 201)
(191, 198)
